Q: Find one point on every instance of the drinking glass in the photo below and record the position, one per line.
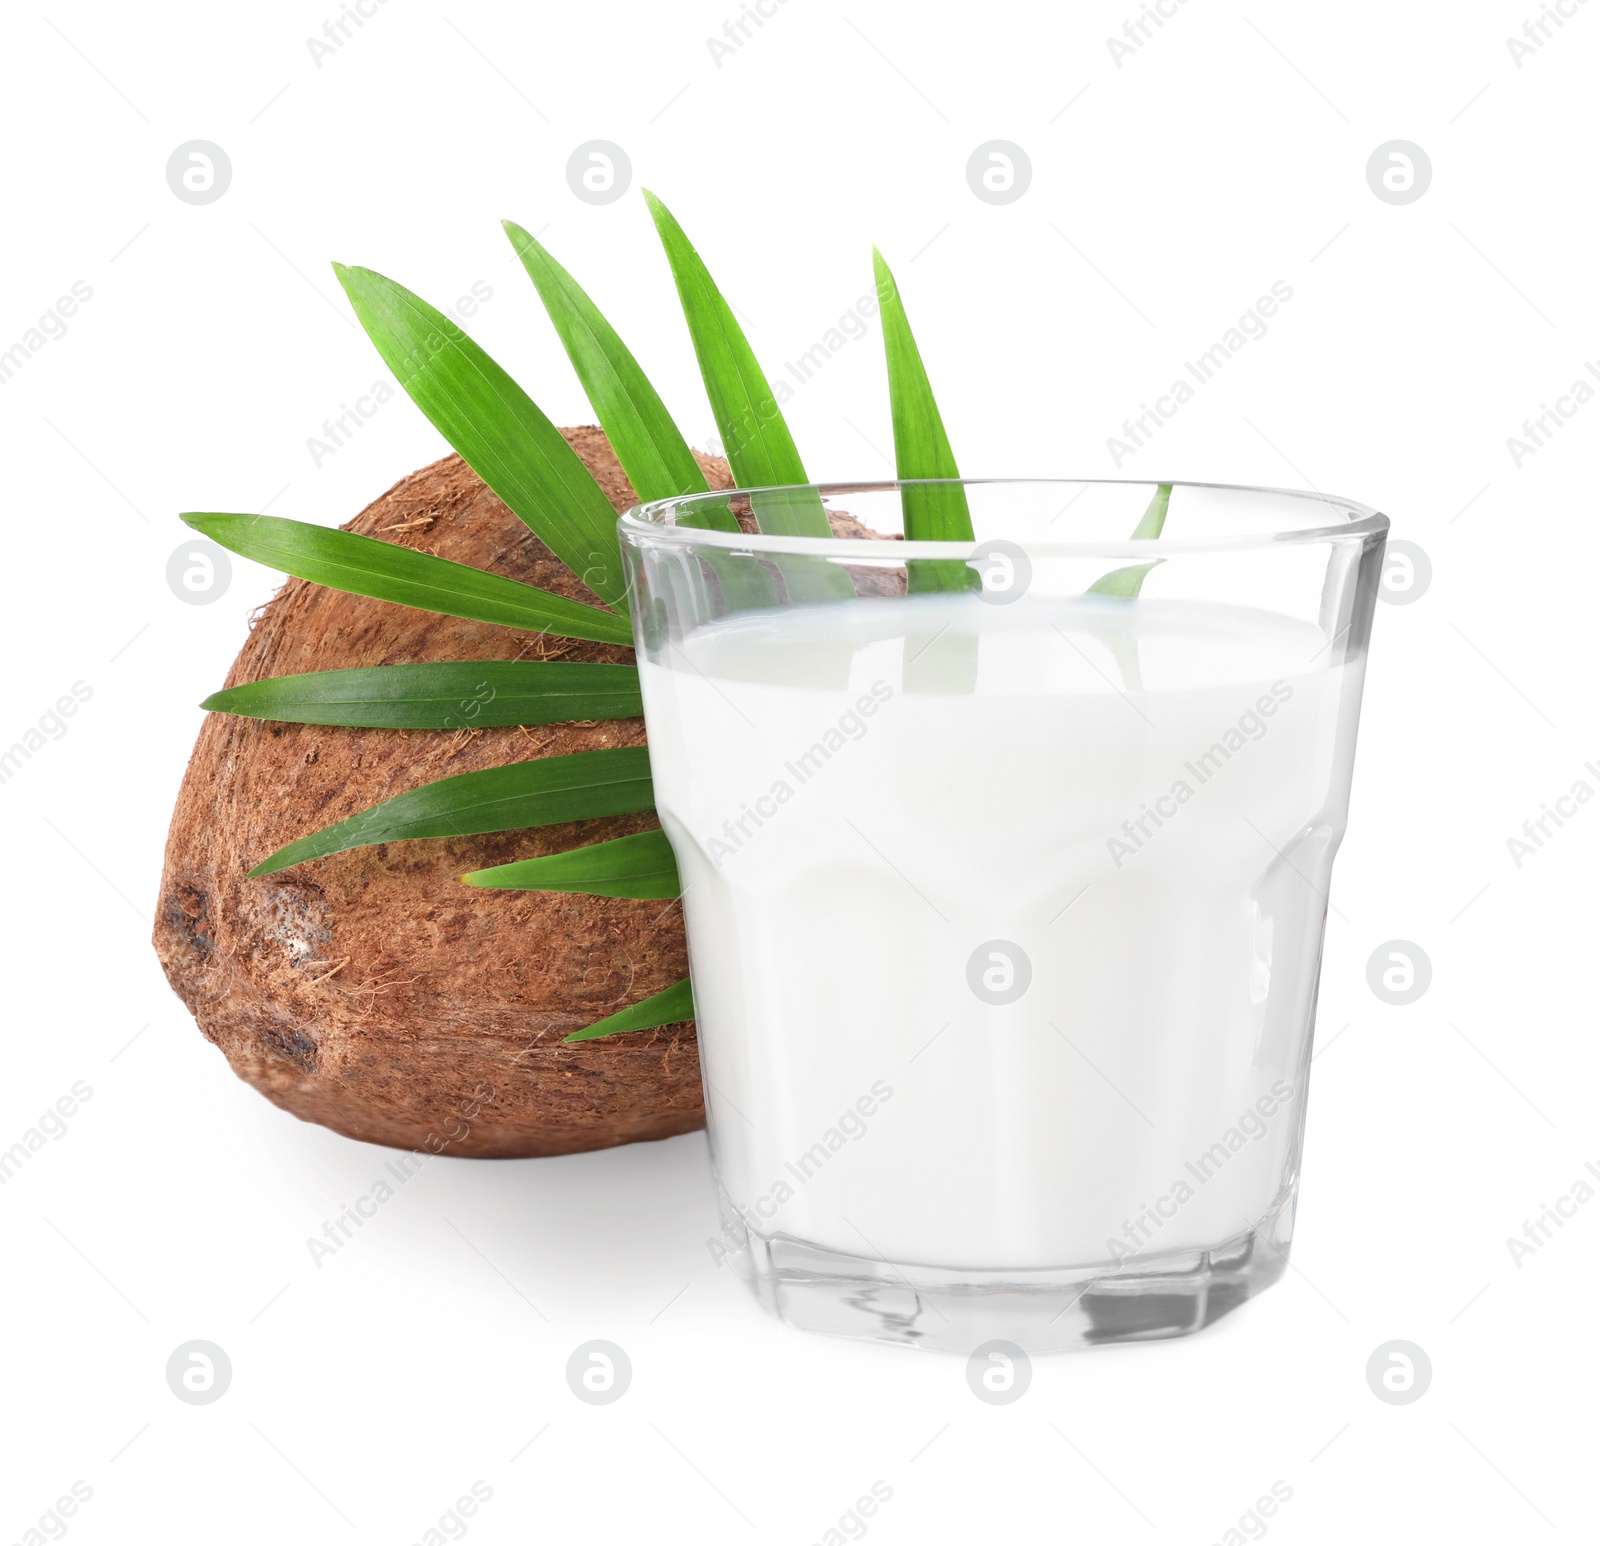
(1005, 868)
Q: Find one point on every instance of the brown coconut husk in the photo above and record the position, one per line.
(371, 991)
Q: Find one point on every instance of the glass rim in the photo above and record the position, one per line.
(657, 520)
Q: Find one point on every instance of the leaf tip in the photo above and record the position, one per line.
(283, 859)
(887, 286)
(352, 278)
(589, 1033)
(658, 211)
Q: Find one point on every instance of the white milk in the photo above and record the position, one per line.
(1142, 796)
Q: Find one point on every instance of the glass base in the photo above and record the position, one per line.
(1047, 1311)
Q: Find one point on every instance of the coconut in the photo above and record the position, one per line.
(371, 991)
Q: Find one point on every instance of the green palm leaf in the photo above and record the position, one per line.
(495, 426)
(758, 444)
(1126, 583)
(440, 695)
(348, 561)
(759, 447)
(578, 787)
(667, 1007)
(921, 449)
(637, 866)
(656, 458)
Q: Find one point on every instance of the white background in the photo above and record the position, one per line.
(1228, 152)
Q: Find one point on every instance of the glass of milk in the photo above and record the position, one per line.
(1004, 896)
